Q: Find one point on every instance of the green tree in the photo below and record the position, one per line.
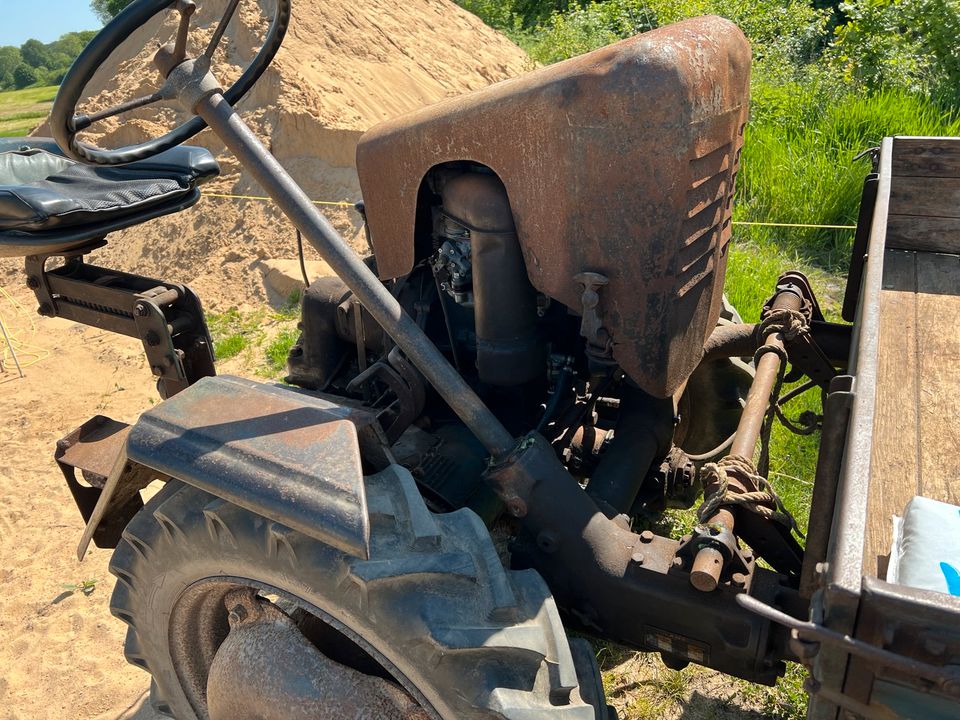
(901, 44)
(107, 9)
(35, 53)
(9, 59)
(24, 76)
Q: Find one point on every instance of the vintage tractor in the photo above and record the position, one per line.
(537, 359)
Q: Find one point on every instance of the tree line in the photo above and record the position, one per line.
(37, 63)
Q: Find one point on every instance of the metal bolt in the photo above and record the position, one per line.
(237, 614)
(637, 558)
(646, 536)
(152, 339)
(547, 541)
(678, 562)
(517, 507)
(33, 282)
(141, 309)
(952, 687)
(739, 579)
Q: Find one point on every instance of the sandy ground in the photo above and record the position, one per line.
(62, 652)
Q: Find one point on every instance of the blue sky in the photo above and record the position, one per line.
(45, 20)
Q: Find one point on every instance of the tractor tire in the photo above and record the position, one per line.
(433, 606)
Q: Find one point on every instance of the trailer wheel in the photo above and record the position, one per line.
(432, 611)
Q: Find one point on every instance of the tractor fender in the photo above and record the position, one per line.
(292, 458)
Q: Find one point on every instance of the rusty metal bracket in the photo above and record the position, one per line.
(108, 496)
(599, 343)
(166, 318)
(404, 382)
(806, 357)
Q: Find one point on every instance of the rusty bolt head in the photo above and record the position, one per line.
(952, 687)
(678, 562)
(638, 558)
(238, 613)
(804, 649)
(517, 507)
(934, 646)
(33, 282)
(141, 309)
(547, 541)
(646, 536)
(739, 579)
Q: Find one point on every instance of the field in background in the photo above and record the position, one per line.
(22, 110)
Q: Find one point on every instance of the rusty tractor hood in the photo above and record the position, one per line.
(620, 162)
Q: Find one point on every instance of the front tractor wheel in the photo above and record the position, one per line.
(235, 616)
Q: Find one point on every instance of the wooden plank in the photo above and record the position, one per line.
(894, 449)
(929, 234)
(933, 197)
(938, 340)
(926, 156)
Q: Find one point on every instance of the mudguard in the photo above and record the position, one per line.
(290, 457)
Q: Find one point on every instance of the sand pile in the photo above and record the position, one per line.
(344, 67)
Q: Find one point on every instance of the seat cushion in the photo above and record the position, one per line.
(41, 191)
(926, 547)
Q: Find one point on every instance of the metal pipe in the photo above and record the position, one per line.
(740, 340)
(509, 351)
(230, 128)
(707, 566)
(745, 441)
(768, 368)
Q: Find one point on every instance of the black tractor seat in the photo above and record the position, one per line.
(50, 203)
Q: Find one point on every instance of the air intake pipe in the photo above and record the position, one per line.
(509, 351)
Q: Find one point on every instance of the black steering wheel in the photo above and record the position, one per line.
(66, 123)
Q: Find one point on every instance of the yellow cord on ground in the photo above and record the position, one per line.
(27, 353)
(230, 196)
(344, 203)
(796, 225)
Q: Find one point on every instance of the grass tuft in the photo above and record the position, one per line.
(279, 347)
(798, 163)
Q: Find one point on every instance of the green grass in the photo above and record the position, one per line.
(278, 348)
(798, 162)
(23, 110)
(263, 336)
(230, 346)
(233, 331)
